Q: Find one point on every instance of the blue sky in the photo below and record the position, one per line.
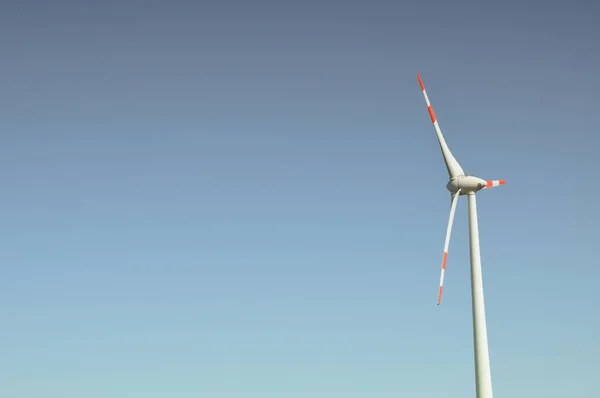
(247, 199)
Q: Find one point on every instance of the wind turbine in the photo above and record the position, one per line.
(462, 184)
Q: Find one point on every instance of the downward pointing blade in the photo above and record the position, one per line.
(454, 169)
(447, 242)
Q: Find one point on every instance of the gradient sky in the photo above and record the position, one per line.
(247, 199)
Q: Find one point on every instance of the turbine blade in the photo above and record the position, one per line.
(454, 169)
(494, 183)
(447, 242)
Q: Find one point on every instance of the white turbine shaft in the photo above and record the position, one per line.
(483, 376)
(447, 242)
(454, 169)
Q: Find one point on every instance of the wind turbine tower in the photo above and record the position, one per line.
(461, 184)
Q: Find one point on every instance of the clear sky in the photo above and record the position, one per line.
(247, 199)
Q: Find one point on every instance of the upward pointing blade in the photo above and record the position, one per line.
(454, 169)
(447, 242)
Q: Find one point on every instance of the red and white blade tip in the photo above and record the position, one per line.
(494, 183)
(442, 277)
(420, 81)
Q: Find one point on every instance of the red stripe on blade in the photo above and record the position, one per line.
(430, 109)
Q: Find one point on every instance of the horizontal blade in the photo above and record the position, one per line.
(454, 169)
(447, 242)
(494, 183)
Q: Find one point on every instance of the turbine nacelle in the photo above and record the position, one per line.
(468, 184)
